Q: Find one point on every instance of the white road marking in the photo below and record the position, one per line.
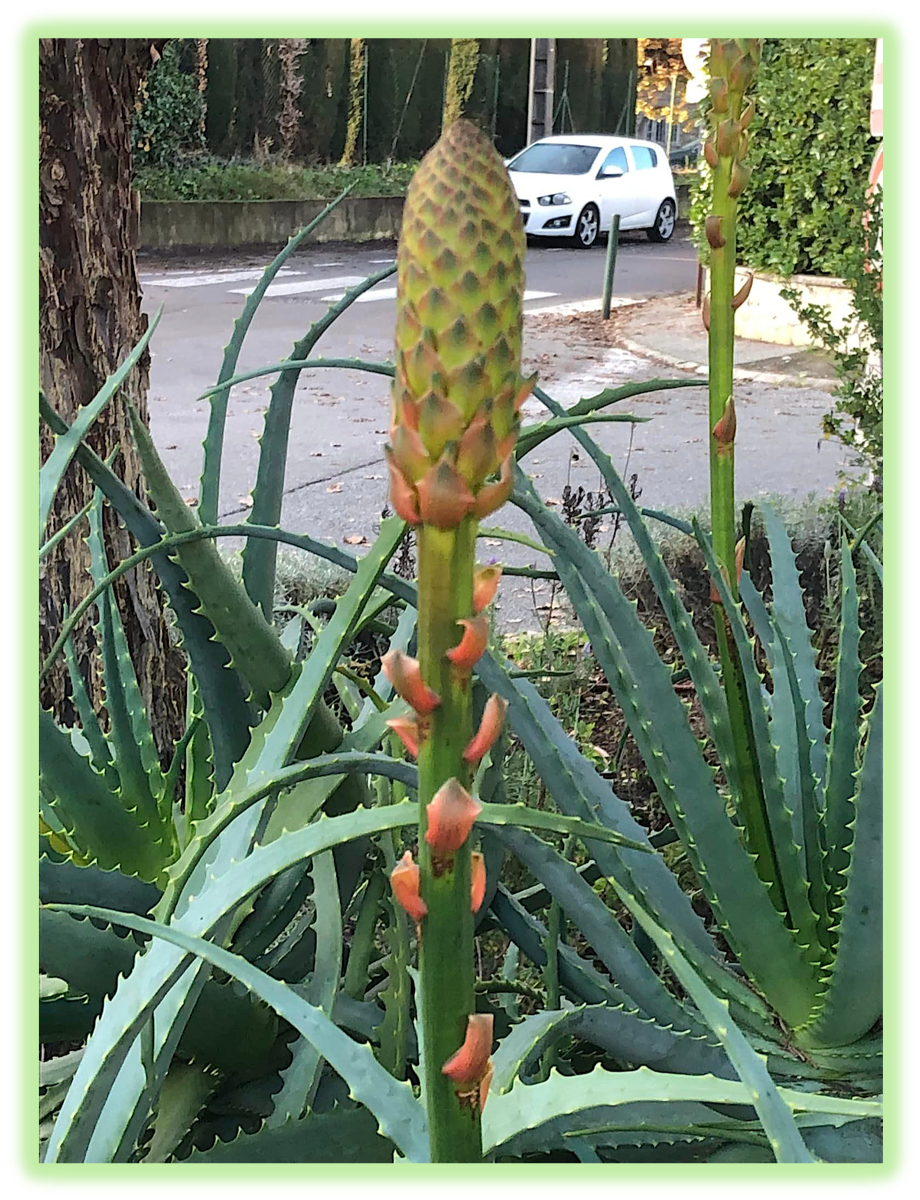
(184, 279)
(306, 285)
(574, 306)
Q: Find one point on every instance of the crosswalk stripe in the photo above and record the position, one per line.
(184, 279)
(306, 285)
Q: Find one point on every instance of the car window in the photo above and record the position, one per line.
(555, 158)
(616, 158)
(644, 157)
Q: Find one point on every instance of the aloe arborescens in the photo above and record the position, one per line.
(456, 398)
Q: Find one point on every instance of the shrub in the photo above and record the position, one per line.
(857, 350)
(810, 155)
(167, 124)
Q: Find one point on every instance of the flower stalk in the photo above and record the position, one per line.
(457, 393)
(732, 66)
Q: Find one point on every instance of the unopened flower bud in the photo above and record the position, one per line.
(485, 737)
(407, 731)
(478, 881)
(485, 585)
(451, 815)
(726, 427)
(471, 1062)
(470, 649)
(404, 880)
(406, 677)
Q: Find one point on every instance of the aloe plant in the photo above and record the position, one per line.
(161, 887)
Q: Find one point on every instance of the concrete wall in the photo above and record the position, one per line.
(766, 317)
(189, 225)
(227, 225)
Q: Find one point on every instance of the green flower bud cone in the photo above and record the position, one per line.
(458, 385)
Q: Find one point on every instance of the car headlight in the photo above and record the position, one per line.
(555, 198)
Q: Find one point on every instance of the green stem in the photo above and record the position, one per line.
(446, 561)
(722, 506)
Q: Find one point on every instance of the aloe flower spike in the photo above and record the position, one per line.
(457, 395)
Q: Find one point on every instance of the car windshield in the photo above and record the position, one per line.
(555, 158)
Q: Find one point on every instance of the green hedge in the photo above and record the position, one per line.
(810, 153)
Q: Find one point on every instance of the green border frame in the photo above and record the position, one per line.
(896, 780)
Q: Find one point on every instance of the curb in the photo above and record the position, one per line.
(774, 377)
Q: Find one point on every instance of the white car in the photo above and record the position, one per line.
(571, 186)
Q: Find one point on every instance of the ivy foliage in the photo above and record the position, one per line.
(810, 155)
(168, 112)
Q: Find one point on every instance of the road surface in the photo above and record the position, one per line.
(335, 483)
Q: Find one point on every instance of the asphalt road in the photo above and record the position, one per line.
(335, 483)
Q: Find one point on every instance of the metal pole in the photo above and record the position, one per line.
(671, 113)
(498, 63)
(364, 121)
(611, 264)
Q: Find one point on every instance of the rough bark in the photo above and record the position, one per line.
(356, 86)
(90, 317)
(461, 75)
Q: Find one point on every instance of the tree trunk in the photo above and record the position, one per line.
(461, 75)
(90, 318)
(356, 85)
(201, 72)
(289, 54)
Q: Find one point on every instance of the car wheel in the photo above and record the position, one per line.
(664, 222)
(587, 227)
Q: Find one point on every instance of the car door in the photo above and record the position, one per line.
(646, 182)
(617, 193)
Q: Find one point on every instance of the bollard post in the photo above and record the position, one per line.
(610, 266)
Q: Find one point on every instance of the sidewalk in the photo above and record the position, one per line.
(669, 330)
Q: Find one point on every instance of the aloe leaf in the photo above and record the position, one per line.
(852, 1000)
(780, 705)
(658, 721)
(342, 1136)
(775, 1116)
(59, 1069)
(527, 1107)
(90, 959)
(796, 897)
(100, 753)
(99, 821)
(302, 364)
(65, 446)
(186, 1089)
(301, 1078)
(789, 618)
(251, 642)
(532, 435)
(844, 737)
(268, 491)
(47, 547)
(69, 882)
(599, 925)
(531, 438)
(692, 650)
(214, 438)
(400, 1116)
(107, 1104)
(506, 535)
(225, 707)
(130, 735)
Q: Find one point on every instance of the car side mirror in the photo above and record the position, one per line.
(610, 172)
